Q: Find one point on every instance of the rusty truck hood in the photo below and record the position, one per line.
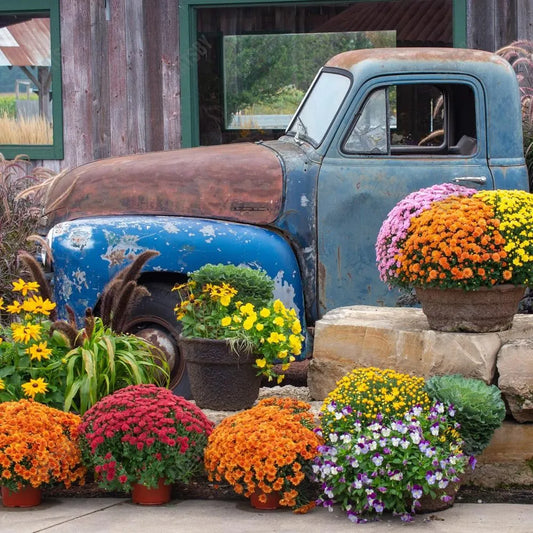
(241, 182)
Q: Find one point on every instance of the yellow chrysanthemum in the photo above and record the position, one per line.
(264, 313)
(34, 387)
(25, 286)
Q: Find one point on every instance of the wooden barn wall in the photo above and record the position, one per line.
(120, 78)
(120, 72)
(492, 24)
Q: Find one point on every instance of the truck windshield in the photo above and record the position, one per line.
(319, 107)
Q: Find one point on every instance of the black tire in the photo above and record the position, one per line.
(154, 319)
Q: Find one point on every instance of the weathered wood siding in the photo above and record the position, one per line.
(121, 72)
(120, 78)
(492, 24)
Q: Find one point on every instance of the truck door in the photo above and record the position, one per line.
(401, 134)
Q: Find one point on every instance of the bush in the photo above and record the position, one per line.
(252, 285)
(479, 407)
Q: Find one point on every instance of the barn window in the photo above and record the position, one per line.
(229, 96)
(30, 79)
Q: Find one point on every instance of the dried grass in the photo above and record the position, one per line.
(35, 130)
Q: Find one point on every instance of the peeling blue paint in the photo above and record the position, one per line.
(83, 266)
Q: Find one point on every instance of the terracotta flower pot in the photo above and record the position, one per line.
(26, 496)
(151, 496)
(263, 500)
(220, 379)
(478, 311)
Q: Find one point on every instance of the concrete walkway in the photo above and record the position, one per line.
(116, 515)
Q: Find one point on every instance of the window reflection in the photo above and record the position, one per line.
(25, 80)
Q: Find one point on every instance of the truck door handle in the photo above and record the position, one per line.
(473, 179)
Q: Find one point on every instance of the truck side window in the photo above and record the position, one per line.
(369, 134)
(411, 119)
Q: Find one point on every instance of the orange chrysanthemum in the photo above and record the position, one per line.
(270, 447)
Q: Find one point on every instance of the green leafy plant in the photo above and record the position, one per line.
(141, 434)
(103, 361)
(252, 285)
(479, 408)
(210, 309)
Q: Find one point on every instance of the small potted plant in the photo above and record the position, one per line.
(387, 447)
(467, 254)
(144, 438)
(479, 408)
(266, 454)
(234, 332)
(38, 446)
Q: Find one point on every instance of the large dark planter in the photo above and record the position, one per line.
(220, 379)
(478, 311)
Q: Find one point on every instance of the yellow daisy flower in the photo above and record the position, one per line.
(39, 351)
(25, 286)
(34, 387)
(26, 332)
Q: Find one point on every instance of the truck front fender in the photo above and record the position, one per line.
(88, 252)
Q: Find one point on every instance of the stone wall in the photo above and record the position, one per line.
(400, 338)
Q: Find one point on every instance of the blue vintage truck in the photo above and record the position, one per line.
(374, 126)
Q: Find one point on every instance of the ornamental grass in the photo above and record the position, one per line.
(141, 434)
(38, 446)
(465, 240)
(268, 448)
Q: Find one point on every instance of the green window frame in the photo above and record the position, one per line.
(42, 151)
(188, 40)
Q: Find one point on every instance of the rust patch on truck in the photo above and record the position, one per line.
(240, 182)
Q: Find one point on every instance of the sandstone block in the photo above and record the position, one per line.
(398, 338)
(515, 368)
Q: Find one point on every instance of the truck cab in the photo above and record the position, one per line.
(374, 126)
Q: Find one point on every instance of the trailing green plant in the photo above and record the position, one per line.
(479, 408)
(19, 218)
(252, 285)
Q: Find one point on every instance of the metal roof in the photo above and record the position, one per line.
(26, 44)
(427, 22)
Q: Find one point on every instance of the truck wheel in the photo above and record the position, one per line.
(154, 320)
